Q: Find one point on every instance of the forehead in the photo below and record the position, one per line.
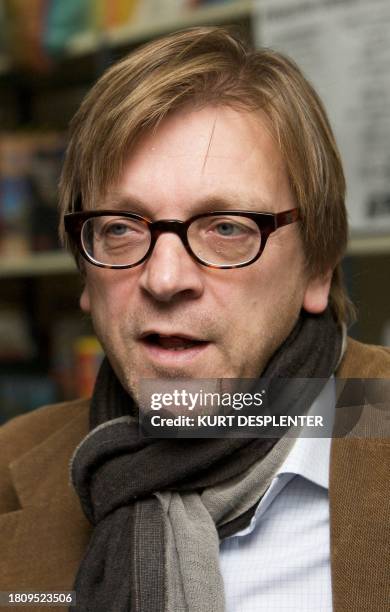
(199, 157)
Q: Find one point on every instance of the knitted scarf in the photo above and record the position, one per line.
(159, 507)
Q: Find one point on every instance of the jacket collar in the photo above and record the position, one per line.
(32, 475)
(45, 539)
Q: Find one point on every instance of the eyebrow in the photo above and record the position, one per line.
(135, 204)
(124, 202)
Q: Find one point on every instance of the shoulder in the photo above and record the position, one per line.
(364, 361)
(24, 432)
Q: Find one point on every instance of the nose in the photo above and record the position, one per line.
(171, 272)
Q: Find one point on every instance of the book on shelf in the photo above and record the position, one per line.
(21, 393)
(24, 22)
(16, 341)
(14, 195)
(30, 165)
(76, 356)
(40, 30)
(120, 12)
(64, 20)
(3, 31)
(199, 3)
(88, 355)
(75, 362)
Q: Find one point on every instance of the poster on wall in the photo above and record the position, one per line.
(343, 47)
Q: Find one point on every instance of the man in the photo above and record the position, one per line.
(203, 198)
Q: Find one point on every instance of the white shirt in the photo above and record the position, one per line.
(281, 561)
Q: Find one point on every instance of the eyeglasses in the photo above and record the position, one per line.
(219, 239)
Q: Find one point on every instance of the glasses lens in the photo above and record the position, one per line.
(115, 240)
(224, 240)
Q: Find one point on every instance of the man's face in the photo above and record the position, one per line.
(170, 316)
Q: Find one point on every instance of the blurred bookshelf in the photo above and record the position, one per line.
(134, 33)
(86, 27)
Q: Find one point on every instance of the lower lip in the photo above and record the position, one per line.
(167, 357)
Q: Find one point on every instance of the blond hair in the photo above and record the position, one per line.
(211, 65)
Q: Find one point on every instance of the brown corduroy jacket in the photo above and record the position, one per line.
(44, 534)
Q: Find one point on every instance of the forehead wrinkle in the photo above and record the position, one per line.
(209, 144)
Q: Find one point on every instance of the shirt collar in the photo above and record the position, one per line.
(309, 457)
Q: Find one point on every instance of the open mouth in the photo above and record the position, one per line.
(172, 343)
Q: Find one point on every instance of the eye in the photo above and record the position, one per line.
(226, 229)
(230, 228)
(116, 229)
(121, 228)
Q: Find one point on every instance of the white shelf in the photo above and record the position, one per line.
(37, 264)
(369, 245)
(134, 32)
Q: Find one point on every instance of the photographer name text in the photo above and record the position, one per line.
(238, 420)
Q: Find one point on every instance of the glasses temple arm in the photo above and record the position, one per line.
(286, 217)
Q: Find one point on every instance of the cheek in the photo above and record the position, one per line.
(85, 300)
(273, 288)
(284, 264)
(109, 294)
(239, 300)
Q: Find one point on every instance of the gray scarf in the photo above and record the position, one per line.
(159, 507)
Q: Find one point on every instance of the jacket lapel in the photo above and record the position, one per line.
(44, 541)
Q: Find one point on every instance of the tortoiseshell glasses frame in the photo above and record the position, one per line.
(266, 222)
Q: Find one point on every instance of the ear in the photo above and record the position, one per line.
(85, 302)
(316, 295)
